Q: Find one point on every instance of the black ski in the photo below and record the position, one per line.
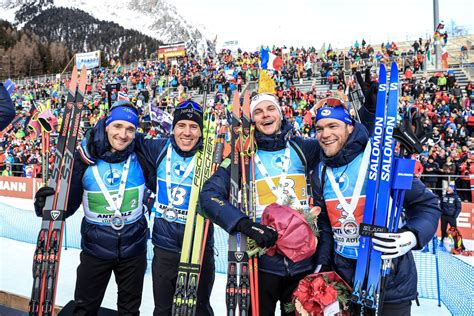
(48, 247)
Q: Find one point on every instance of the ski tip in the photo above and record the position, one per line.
(382, 70)
(394, 65)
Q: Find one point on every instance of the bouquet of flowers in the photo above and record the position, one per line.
(296, 233)
(321, 294)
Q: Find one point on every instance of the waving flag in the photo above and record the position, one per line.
(163, 118)
(121, 95)
(268, 60)
(264, 57)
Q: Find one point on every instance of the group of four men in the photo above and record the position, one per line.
(114, 164)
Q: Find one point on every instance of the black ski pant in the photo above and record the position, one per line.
(273, 288)
(165, 273)
(444, 225)
(93, 275)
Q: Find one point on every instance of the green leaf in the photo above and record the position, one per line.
(289, 308)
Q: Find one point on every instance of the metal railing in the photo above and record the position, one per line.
(450, 178)
(469, 70)
(14, 167)
(40, 79)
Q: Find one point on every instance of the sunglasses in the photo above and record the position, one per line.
(185, 105)
(332, 102)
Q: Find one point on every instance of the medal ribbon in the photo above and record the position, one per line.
(284, 172)
(358, 187)
(116, 202)
(168, 174)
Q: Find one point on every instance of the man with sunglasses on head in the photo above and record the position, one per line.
(114, 229)
(341, 179)
(169, 169)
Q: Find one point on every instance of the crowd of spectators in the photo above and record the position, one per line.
(447, 110)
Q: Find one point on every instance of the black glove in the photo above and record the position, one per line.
(148, 200)
(264, 236)
(422, 132)
(369, 88)
(40, 199)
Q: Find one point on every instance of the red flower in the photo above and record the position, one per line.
(315, 294)
(323, 293)
(327, 297)
(304, 291)
(312, 306)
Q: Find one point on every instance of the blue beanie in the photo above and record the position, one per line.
(337, 112)
(124, 113)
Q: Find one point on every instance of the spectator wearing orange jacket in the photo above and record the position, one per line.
(418, 169)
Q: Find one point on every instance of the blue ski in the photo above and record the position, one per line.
(383, 193)
(372, 186)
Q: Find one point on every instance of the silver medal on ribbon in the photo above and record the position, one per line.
(170, 214)
(350, 229)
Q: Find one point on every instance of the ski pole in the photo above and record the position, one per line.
(435, 250)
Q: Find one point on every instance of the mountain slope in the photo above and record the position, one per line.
(81, 33)
(155, 18)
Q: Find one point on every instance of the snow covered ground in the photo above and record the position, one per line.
(15, 276)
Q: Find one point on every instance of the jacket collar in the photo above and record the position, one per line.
(276, 141)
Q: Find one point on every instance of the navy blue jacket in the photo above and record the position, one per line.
(451, 204)
(422, 215)
(214, 199)
(165, 235)
(7, 108)
(103, 241)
